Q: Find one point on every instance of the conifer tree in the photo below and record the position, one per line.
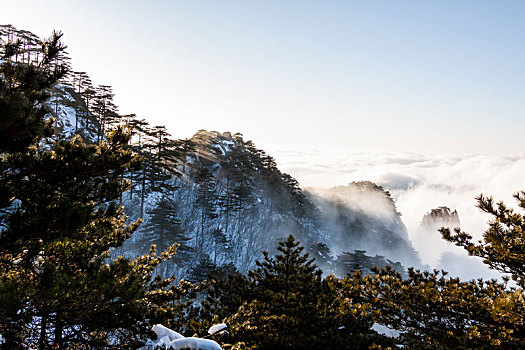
(104, 108)
(160, 157)
(59, 218)
(203, 270)
(139, 129)
(228, 292)
(220, 243)
(81, 82)
(348, 263)
(289, 306)
(503, 246)
(23, 90)
(88, 94)
(55, 245)
(205, 200)
(183, 148)
(431, 310)
(227, 204)
(143, 142)
(239, 170)
(163, 161)
(435, 311)
(164, 229)
(323, 256)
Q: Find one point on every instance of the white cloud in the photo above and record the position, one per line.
(417, 182)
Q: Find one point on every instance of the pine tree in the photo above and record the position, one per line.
(228, 292)
(503, 248)
(289, 306)
(23, 90)
(164, 229)
(183, 148)
(55, 244)
(105, 110)
(80, 84)
(220, 243)
(288, 286)
(163, 161)
(227, 204)
(139, 129)
(88, 95)
(238, 169)
(142, 144)
(57, 287)
(160, 158)
(205, 200)
(203, 270)
(435, 311)
(323, 256)
(348, 263)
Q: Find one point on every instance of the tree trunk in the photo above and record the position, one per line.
(131, 187)
(142, 194)
(59, 326)
(43, 330)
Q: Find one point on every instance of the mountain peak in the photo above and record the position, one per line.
(441, 216)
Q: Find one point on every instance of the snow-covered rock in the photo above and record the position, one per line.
(170, 339)
(194, 344)
(162, 332)
(216, 328)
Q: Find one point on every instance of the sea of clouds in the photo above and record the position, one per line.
(418, 183)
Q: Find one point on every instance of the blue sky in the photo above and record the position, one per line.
(400, 76)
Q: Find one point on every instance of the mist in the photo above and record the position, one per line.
(419, 183)
(363, 226)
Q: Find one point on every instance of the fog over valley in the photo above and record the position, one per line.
(418, 183)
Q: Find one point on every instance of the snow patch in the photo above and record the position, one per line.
(163, 332)
(194, 343)
(216, 328)
(384, 330)
(173, 340)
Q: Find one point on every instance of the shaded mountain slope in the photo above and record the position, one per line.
(233, 202)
